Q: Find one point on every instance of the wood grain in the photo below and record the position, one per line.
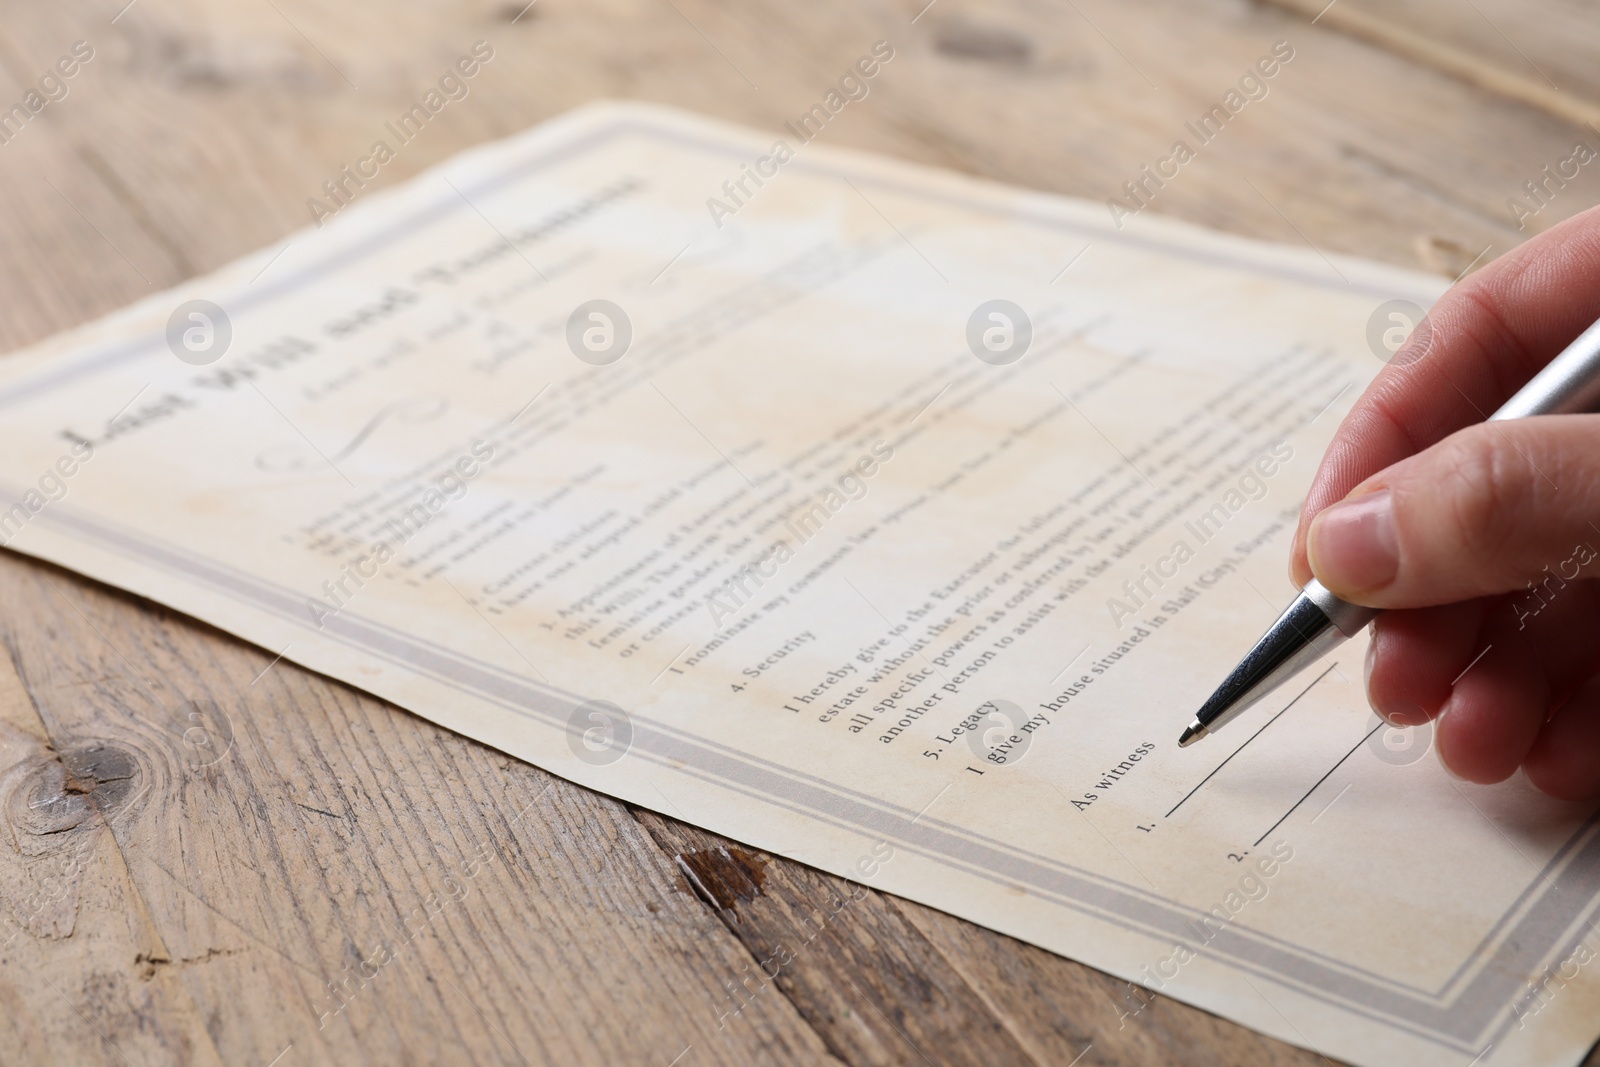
(212, 857)
(1539, 54)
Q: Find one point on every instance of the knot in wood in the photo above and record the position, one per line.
(103, 773)
(46, 800)
(962, 38)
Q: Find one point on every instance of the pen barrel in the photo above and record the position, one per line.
(1346, 617)
(1568, 384)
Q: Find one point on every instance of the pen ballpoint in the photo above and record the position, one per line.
(1318, 622)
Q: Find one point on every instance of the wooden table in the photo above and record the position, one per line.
(200, 840)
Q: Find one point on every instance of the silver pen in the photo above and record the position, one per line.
(1318, 622)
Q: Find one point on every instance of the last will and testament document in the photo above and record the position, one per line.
(888, 519)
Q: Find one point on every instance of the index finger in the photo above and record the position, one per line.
(1489, 335)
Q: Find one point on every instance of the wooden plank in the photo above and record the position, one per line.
(72, 929)
(1054, 1005)
(884, 980)
(1541, 54)
(862, 976)
(212, 129)
(308, 866)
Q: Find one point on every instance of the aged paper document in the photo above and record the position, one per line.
(887, 519)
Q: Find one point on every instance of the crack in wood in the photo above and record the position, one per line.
(723, 877)
(319, 811)
(146, 964)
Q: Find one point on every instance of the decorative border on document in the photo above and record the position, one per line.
(1544, 928)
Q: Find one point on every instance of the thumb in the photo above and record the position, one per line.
(1487, 510)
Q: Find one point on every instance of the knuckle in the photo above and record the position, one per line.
(1486, 493)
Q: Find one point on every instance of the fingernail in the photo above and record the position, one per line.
(1353, 545)
(1366, 670)
(1407, 714)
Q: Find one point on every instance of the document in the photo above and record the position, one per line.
(885, 518)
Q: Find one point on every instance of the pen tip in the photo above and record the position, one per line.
(1192, 733)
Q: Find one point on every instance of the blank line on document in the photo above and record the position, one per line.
(1252, 737)
(1324, 778)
